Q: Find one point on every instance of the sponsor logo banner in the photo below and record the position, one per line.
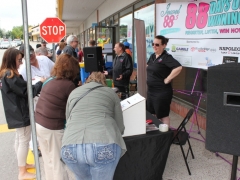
(203, 53)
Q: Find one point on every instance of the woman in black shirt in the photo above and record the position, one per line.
(161, 69)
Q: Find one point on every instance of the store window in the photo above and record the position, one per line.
(125, 29)
(91, 34)
(186, 81)
(107, 22)
(146, 13)
(115, 20)
(111, 21)
(86, 38)
(82, 40)
(103, 23)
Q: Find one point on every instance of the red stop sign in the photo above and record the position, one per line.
(52, 30)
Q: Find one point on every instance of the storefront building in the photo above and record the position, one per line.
(82, 18)
(35, 34)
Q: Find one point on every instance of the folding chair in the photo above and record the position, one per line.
(181, 137)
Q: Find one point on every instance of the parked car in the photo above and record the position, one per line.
(5, 45)
(13, 43)
(18, 41)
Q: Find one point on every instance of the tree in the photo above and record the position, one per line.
(17, 32)
(9, 34)
(1, 33)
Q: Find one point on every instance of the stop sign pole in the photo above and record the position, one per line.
(52, 30)
(29, 88)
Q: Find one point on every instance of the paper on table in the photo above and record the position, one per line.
(151, 127)
(35, 79)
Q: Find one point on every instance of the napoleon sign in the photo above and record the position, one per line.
(52, 30)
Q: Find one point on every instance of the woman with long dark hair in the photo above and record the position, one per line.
(15, 103)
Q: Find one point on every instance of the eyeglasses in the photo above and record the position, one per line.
(75, 41)
(155, 44)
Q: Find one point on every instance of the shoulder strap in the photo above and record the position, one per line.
(83, 96)
(49, 79)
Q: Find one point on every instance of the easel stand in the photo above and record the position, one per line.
(193, 93)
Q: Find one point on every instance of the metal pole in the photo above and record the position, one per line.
(54, 52)
(29, 87)
(234, 167)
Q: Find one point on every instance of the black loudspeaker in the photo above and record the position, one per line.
(93, 59)
(223, 109)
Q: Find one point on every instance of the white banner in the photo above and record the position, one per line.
(216, 19)
(203, 53)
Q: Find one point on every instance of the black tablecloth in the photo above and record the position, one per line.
(146, 155)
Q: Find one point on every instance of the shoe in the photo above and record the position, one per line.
(27, 176)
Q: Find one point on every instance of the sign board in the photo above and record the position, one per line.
(203, 53)
(216, 19)
(201, 34)
(52, 30)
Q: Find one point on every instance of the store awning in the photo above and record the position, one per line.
(73, 13)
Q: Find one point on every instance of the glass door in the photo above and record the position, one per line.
(105, 37)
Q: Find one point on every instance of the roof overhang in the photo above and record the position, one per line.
(74, 12)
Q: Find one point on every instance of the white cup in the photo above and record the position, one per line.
(163, 127)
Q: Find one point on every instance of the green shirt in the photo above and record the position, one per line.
(96, 118)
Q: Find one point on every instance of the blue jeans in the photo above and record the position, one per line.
(91, 161)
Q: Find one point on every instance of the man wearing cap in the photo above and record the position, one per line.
(127, 50)
(41, 66)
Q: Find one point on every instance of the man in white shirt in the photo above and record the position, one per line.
(41, 66)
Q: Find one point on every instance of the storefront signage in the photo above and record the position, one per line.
(203, 53)
(213, 19)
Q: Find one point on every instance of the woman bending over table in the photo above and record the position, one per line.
(92, 143)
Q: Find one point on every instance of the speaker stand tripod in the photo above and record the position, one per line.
(193, 94)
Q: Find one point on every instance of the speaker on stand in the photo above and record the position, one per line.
(223, 111)
(93, 59)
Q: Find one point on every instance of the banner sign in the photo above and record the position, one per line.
(203, 53)
(216, 19)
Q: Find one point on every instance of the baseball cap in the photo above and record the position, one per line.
(21, 48)
(126, 44)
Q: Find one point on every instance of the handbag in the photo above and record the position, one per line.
(83, 96)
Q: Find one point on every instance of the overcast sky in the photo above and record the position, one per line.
(38, 10)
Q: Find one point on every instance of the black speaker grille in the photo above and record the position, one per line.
(223, 121)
